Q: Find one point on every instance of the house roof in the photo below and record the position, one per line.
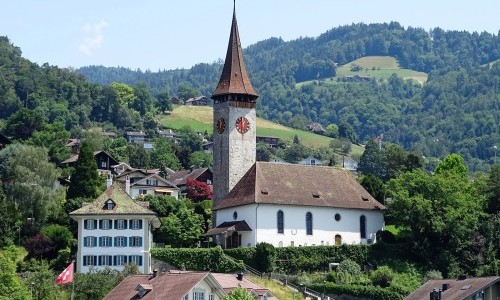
(230, 282)
(135, 133)
(290, 184)
(124, 205)
(4, 139)
(457, 289)
(73, 142)
(142, 181)
(180, 178)
(144, 172)
(171, 285)
(74, 158)
(229, 226)
(196, 99)
(234, 78)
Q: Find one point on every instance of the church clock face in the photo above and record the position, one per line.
(242, 125)
(221, 125)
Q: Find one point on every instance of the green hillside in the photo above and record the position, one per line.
(200, 118)
(378, 67)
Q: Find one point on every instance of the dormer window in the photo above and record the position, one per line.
(109, 205)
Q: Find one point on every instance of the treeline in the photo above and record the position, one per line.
(455, 111)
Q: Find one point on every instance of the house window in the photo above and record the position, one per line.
(120, 224)
(89, 260)
(143, 192)
(120, 241)
(362, 226)
(105, 260)
(89, 241)
(103, 164)
(109, 206)
(309, 223)
(136, 224)
(199, 294)
(313, 162)
(120, 260)
(135, 259)
(235, 215)
(90, 224)
(105, 241)
(105, 224)
(135, 241)
(338, 217)
(186, 297)
(281, 222)
(210, 297)
(152, 182)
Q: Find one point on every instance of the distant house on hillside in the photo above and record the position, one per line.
(202, 174)
(104, 161)
(316, 128)
(197, 101)
(4, 141)
(270, 140)
(311, 161)
(135, 136)
(109, 134)
(169, 134)
(355, 78)
(74, 145)
(176, 100)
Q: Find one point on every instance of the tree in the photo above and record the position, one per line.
(10, 282)
(452, 164)
(201, 159)
(263, 152)
(138, 157)
(493, 202)
(372, 161)
(239, 293)
(40, 247)
(143, 99)
(181, 229)
(23, 123)
(96, 283)
(374, 186)
(41, 279)
(164, 102)
(186, 91)
(197, 191)
(346, 131)
(163, 155)
(54, 137)
(265, 257)
(85, 179)
(9, 220)
(332, 130)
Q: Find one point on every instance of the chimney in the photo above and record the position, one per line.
(240, 276)
(127, 185)
(462, 277)
(109, 181)
(155, 272)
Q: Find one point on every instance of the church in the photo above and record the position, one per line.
(281, 204)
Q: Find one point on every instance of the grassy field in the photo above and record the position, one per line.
(200, 118)
(278, 290)
(379, 67)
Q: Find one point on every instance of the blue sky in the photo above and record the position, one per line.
(167, 34)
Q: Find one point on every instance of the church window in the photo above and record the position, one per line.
(337, 217)
(235, 215)
(281, 221)
(309, 223)
(362, 227)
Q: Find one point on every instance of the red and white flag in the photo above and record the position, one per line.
(66, 275)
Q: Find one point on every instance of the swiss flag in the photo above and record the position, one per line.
(66, 275)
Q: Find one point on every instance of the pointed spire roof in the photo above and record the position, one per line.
(234, 78)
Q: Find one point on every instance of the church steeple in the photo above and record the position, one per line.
(234, 83)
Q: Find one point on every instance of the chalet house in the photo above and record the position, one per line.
(114, 230)
(180, 178)
(316, 128)
(463, 288)
(121, 167)
(4, 141)
(229, 282)
(270, 140)
(176, 100)
(208, 147)
(197, 101)
(135, 136)
(169, 134)
(74, 145)
(355, 78)
(173, 285)
(297, 205)
(109, 134)
(311, 161)
(104, 161)
(139, 182)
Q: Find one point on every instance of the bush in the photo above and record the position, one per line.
(433, 274)
(382, 276)
(265, 257)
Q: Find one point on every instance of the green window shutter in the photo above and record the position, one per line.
(140, 241)
(85, 242)
(100, 261)
(100, 224)
(100, 241)
(140, 261)
(84, 261)
(116, 224)
(114, 260)
(124, 242)
(95, 224)
(125, 259)
(125, 223)
(95, 241)
(140, 224)
(116, 242)
(85, 226)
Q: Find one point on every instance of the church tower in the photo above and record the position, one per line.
(234, 120)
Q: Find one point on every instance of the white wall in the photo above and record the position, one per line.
(325, 227)
(204, 285)
(142, 251)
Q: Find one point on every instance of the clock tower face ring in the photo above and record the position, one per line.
(242, 125)
(221, 125)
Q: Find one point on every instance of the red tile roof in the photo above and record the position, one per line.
(457, 289)
(234, 78)
(172, 285)
(230, 282)
(288, 184)
(180, 178)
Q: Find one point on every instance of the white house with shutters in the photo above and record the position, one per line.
(114, 230)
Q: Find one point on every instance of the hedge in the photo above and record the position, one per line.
(198, 259)
(363, 291)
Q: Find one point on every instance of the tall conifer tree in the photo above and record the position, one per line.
(85, 179)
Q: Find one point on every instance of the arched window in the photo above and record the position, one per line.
(281, 221)
(362, 226)
(309, 223)
(338, 240)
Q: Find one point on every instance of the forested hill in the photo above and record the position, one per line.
(457, 110)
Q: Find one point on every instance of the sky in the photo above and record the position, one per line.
(168, 34)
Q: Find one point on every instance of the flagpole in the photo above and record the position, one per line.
(73, 283)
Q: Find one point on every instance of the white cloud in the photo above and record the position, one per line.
(94, 37)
